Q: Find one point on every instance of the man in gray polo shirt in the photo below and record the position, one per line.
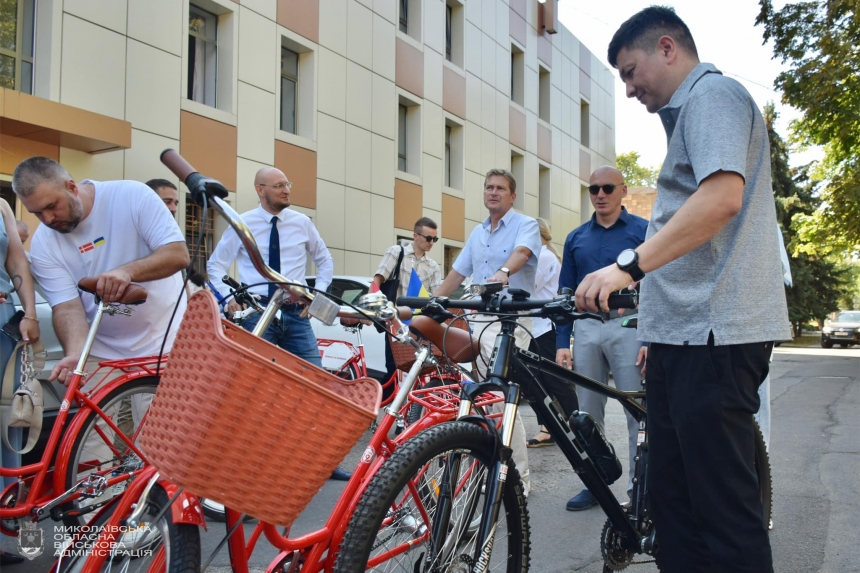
(712, 298)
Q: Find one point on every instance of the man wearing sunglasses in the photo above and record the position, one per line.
(599, 348)
(414, 256)
(712, 301)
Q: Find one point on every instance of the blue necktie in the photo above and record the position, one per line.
(274, 253)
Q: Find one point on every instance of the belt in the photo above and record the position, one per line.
(614, 314)
(287, 307)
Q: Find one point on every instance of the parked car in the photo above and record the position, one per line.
(844, 330)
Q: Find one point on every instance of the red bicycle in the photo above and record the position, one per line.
(92, 455)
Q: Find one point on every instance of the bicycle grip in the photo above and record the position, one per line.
(177, 164)
(230, 282)
(626, 300)
(413, 301)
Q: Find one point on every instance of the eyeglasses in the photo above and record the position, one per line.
(608, 188)
(429, 239)
(279, 186)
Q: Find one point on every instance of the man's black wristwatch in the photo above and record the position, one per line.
(628, 261)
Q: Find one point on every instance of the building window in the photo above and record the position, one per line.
(404, 16)
(7, 194)
(544, 193)
(16, 44)
(543, 94)
(402, 144)
(451, 254)
(454, 154)
(447, 156)
(518, 169)
(193, 224)
(202, 56)
(518, 74)
(289, 89)
(449, 31)
(584, 121)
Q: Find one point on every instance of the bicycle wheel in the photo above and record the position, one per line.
(762, 469)
(100, 450)
(143, 549)
(391, 525)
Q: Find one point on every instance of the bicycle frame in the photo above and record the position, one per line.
(318, 549)
(512, 363)
(42, 498)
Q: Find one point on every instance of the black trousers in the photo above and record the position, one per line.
(545, 346)
(701, 474)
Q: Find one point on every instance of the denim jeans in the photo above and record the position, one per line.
(292, 333)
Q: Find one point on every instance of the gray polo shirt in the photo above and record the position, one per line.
(731, 285)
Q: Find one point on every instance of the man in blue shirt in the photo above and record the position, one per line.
(599, 348)
(504, 248)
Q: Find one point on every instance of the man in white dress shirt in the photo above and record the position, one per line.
(286, 239)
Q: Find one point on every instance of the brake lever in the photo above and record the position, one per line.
(437, 312)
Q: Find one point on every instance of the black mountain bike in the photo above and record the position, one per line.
(464, 476)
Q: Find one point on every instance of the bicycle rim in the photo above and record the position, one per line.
(98, 449)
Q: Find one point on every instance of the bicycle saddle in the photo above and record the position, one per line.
(134, 293)
(459, 345)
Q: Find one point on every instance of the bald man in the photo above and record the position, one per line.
(601, 348)
(23, 230)
(286, 239)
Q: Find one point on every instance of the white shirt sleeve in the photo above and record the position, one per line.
(544, 271)
(321, 257)
(221, 259)
(56, 282)
(155, 225)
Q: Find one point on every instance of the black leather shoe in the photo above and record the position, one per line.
(10, 558)
(340, 475)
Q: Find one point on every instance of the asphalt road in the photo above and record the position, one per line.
(815, 459)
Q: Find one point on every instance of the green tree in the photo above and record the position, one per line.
(636, 175)
(818, 280)
(820, 42)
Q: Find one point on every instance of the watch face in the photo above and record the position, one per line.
(626, 257)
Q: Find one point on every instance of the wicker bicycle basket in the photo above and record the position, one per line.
(404, 354)
(244, 423)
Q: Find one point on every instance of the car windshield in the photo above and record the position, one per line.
(848, 317)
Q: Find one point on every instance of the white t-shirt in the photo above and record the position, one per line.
(128, 222)
(546, 286)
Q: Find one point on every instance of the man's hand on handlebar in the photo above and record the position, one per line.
(112, 284)
(594, 290)
(234, 307)
(563, 358)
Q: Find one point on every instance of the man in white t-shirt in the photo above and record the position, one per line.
(118, 231)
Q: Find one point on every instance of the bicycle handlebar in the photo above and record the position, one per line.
(201, 186)
(504, 305)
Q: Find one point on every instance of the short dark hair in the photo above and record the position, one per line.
(642, 30)
(425, 222)
(155, 184)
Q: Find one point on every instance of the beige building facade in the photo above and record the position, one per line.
(379, 111)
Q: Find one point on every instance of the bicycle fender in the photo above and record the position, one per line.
(186, 508)
(74, 425)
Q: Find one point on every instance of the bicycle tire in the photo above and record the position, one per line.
(404, 469)
(181, 551)
(118, 406)
(762, 469)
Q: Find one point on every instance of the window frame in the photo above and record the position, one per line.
(584, 123)
(403, 16)
(297, 91)
(18, 54)
(190, 71)
(402, 137)
(518, 75)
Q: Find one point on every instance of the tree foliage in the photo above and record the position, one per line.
(819, 281)
(820, 42)
(636, 175)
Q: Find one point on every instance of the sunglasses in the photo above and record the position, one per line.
(430, 239)
(608, 188)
